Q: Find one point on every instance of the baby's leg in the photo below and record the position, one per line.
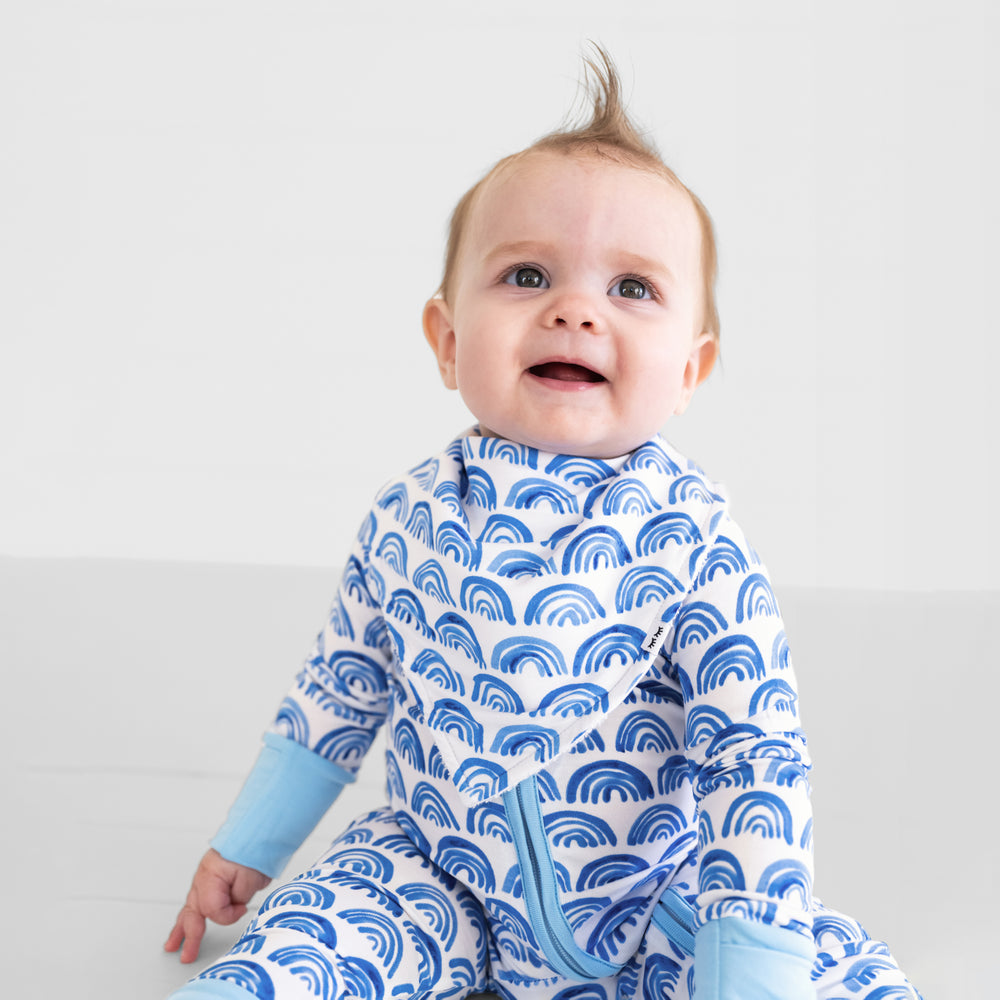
(373, 918)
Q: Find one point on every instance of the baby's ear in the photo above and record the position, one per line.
(440, 334)
(700, 363)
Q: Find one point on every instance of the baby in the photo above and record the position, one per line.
(597, 780)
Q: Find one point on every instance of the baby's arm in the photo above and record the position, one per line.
(750, 771)
(220, 891)
(321, 733)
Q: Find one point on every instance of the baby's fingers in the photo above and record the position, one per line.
(189, 929)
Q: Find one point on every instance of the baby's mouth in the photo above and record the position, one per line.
(564, 371)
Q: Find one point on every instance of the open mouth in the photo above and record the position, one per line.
(563, 371)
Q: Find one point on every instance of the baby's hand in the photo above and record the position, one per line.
(220, 891)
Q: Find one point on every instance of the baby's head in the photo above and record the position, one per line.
(577, 311)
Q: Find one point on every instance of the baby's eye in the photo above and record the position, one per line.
(527, 277)
(631, 288)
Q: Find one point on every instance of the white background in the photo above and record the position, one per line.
(219, 221)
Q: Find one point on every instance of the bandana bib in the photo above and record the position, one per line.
(525, 594)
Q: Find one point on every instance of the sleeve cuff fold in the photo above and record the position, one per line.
(286, 794)
(741, 958)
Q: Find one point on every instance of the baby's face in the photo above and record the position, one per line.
(573, 320)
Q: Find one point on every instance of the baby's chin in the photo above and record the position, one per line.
(605, 447)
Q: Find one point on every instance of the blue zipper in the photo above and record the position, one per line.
(541, 894)
(674, 916)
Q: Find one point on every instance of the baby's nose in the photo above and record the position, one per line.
(573, 312)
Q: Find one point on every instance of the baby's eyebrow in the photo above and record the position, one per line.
(519, 248)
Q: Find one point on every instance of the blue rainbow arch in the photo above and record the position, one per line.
(357, 674)
(774, 694)
(405, 605)
(515, 563)
(435, 906)
(643, 584)
(660, 822)
(407, 743)
(429, 804)
(574, 700)
(691, 487)
(781, 657)
(310, 924)
(644, 730)
(572, 828)
(466, 862)
(451, 716)
(430, 578)
(601, 780)
(456, 633)
(420, 524)
(247, 975)
(425, 473)
(353, 582)
(480, 779)
(786, 879)
(703, 723)
(597, 547)
(674, 526)
(346, 745)
(394, 777)
(436, 669)
(506, 530)
(609, 868)
(578, 912)
(494, 693)
(381, 932)
(517, 653)
(509, 451)
(756, 599)
(762, 813)
(489, 819)
(511, 741)
(563, 604)
(616, 645)
(299, 893)
(435, 764)
(661, 976)
(629, 497)
(291, 721)
(392, 551)
(673, 773)
(449, 494)
(532, 492)
(724, 556)
(340, 620)
(588, 743)
(578, 470)
(735, 656)
(721, 870)
(485, 597)
(651, 456)
(481, 491)
(361, 979)
(697, 622)
(395, 499)
(362, 861)
(453, 540)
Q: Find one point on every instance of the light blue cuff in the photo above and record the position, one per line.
(285, 795)
(736, 958)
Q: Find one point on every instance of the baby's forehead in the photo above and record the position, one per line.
(521, 189)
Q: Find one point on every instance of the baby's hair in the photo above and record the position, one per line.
(609, 134)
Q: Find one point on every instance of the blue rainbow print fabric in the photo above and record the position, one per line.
(597, 781)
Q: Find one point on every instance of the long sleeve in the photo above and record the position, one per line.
(750, 773)
(322, 731)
